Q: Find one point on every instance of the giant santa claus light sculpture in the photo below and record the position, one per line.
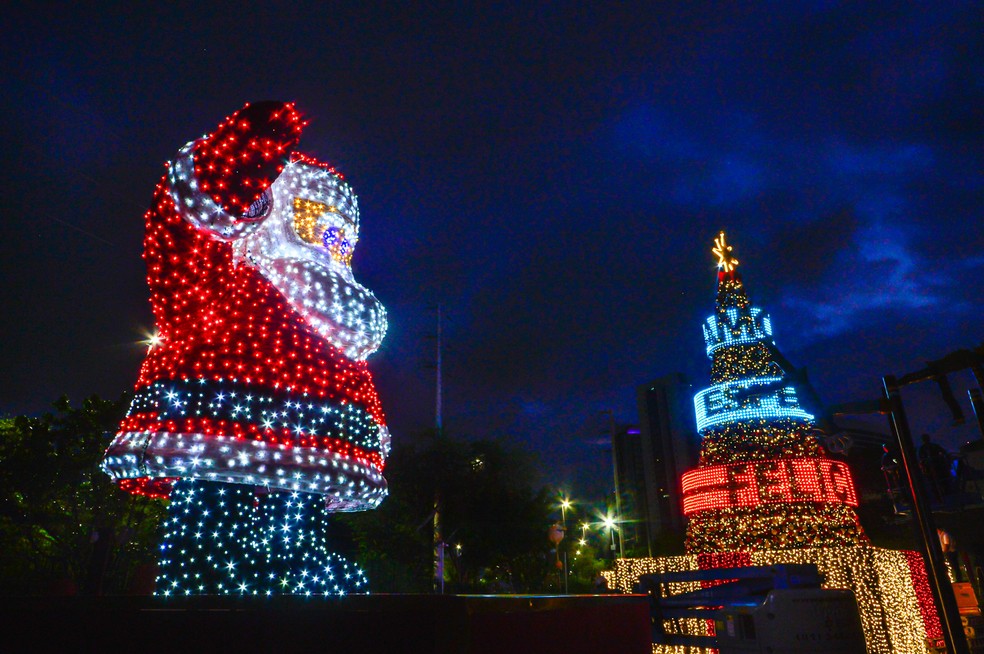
(254, 410)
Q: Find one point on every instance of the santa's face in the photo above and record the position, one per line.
(300, 235)
(304, 247)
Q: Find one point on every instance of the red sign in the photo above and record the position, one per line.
(780, 481)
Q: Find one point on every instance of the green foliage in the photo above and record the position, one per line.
(64, 526)
(488, 506)
(585, 568)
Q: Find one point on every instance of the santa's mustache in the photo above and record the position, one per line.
(338, 309)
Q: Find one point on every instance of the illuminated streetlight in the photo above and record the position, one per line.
(609, 523)
(618, 492)
(565, 503)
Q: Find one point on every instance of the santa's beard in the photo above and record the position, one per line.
(333, 305)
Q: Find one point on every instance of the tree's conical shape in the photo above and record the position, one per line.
(762, 481)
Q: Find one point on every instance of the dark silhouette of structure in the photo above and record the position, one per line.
(669, 446)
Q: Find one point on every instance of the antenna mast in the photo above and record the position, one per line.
(439, 408)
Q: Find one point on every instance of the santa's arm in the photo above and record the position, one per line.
(218, 182)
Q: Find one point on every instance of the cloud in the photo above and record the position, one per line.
(881, 272)
(879, 159)
(840, 223)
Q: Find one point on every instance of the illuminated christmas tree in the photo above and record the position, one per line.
(763, 494)
(254, 409)
(762, 482)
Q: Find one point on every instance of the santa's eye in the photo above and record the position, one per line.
(334, 239)
(312, 223)
(331, 237)
(307, 215)
(259, 209)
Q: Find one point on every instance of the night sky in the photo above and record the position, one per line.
(554, 177)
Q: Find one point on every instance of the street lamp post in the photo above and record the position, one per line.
(618, 495)
(564, 505)
(609, 524)
(556, 536)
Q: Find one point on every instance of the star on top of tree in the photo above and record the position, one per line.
(725, 261)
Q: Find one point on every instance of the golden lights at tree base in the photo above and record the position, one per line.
(764, 494)
(892, 589)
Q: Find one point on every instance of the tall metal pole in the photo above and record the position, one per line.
(563, 519)
(953, 634)
(439, 408)
(438, 546)
(618, 494)
(438, 427)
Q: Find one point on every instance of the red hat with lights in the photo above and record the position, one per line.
(257, 374)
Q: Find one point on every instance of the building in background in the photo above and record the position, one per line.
(669, 446)
(633, 505)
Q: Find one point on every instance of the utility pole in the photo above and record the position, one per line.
(439, 408)
(438, 432)
(618, 494)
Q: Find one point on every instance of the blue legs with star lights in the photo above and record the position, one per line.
(232, 539)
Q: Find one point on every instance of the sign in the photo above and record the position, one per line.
(778, 481)
(758, 398)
